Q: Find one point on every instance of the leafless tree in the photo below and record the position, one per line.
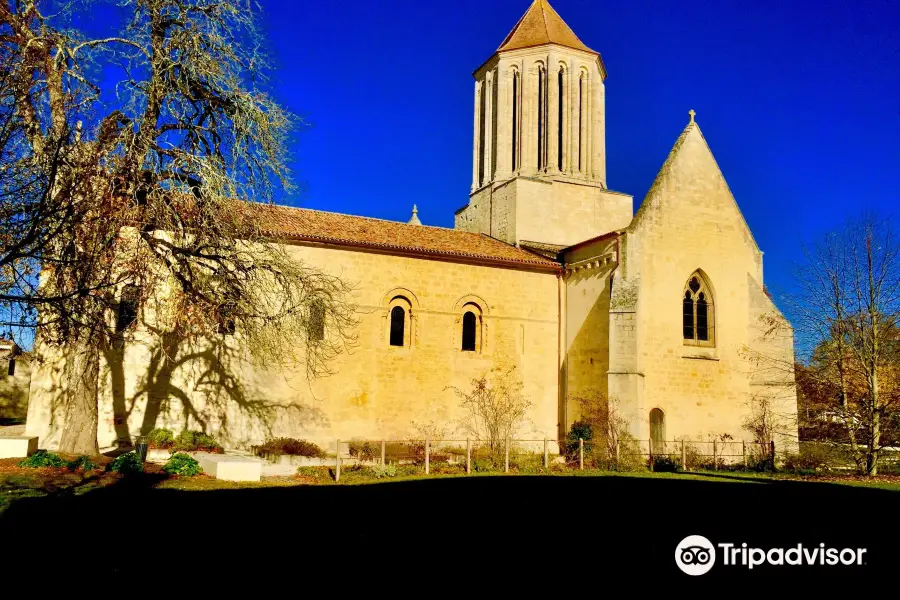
(163, 196)
(846, 316)
(495, 407)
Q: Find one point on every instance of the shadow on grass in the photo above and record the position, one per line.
(628, 524)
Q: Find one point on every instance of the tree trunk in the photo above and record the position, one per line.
(79, 434)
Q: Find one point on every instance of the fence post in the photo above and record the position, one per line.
(427, 455)
(337, 461)
(382, 453)
(772, 453)
(617, 455)
(546, 455)
(715, 462)
(506, 466)
(650, 462)
(744, 451)
(683, 456)
(580, 454)
(468, 456)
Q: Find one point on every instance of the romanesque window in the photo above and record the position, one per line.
(698, 323)
(11, 368)
(657, 429)
(226, 324)
(469, 331)
(128, 307)
(398, 325)
(316, 329)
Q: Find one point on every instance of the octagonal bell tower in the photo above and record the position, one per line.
(539, 117)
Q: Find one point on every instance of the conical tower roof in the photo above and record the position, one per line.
(541, 25)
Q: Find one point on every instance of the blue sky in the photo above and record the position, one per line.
(800, 102)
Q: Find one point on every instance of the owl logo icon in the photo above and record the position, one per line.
(695, 555)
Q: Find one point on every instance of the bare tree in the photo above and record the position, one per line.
(163, 196)
(495, 407)
(846, 313)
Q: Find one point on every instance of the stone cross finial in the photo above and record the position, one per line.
(693, 114)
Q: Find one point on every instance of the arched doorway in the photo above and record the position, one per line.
(657, 429)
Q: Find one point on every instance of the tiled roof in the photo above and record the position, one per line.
(289, 223)
(541, 25)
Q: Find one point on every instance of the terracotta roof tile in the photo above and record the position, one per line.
(289, 223)
(541, 25)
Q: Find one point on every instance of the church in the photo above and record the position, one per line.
(547, 272)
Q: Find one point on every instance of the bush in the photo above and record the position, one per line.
(666, 464)
(290, 447)
(41, 459)
(193, 441)
(83, 463)
(127, 464)
(365, 450)
(379, 471)
(580, 430)
(182, 464)
(161, 438)
(813, 458)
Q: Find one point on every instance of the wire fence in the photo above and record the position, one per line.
(465, 456)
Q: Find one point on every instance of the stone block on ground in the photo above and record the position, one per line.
(230, 467)
(17, 446)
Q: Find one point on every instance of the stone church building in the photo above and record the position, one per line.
(547, 270)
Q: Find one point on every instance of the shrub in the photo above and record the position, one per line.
(127, 464)
(581, 430)
(161, 438)
(813, 458)
(364, 450)
(182, 464)
(41, 459)
(84, 463)
(190, 441)
(290, 447)
(666, 464)
(380, 471)
(317, 473)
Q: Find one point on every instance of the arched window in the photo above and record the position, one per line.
(482, 131)
(316, 328)
(11, 367)
(515, 117)
(657, 429)
(469, 331)
(128, 307)
(398, 325)
(560, 119)
(540, 117)
(580, 117)
(698, 323)
(226, 325)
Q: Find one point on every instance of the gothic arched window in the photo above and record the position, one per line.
(560, 122)
(398, 325)
(698, 322)
(515, 118)
(541, 117)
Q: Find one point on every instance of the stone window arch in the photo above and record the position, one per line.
(516, 110)
(471, 330)
(399, 318)
(698, 311)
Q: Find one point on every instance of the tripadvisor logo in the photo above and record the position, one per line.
(696, 555)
